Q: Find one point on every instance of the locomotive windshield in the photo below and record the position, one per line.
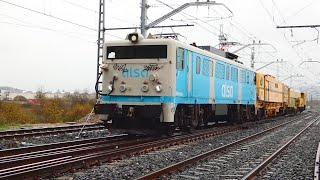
(137, 52)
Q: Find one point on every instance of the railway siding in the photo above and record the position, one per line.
(236, 160)
(298, 160)
(32, 137)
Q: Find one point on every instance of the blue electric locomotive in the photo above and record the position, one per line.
(164, 82)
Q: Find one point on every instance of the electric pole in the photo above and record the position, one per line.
(143, 18)
(100, 43)
(144, 8)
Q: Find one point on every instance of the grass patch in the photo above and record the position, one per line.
(4, 127)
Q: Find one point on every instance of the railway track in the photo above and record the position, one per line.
(22, 133)
(51, 159)
(226, 162)
(317, 165)
(258, 169)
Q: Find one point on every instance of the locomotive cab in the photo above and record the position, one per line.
(136, 81)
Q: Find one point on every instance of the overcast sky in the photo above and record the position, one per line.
(41, 52)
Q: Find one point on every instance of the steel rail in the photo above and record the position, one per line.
(193, 160)
(76, 150)
(317, 165)
(16, 134)
(252, 174)
(39, 149)
(32, 149)
(73, 161)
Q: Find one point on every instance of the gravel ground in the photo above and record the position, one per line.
(139, 165)
(29, 141)
(236, 162)
(297, 162)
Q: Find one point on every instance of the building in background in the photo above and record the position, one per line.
(3, 95)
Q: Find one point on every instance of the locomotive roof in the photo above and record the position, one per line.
(180, 44)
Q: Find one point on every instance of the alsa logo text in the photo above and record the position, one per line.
(135, 73)
(227, 91)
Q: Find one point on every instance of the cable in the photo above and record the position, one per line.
(54, 17)
(48, 15)
(299, 11)
(185, 14)
(97, 86)
(295, 51)
(96, 12)
(80, 6)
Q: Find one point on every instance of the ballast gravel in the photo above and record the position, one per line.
(298, 160)
(62, 137)
(137, 166)
(239, 160)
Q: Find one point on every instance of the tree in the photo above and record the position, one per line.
(19, 98)
(40, 95)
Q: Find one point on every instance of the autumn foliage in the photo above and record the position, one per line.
(11, 113)
(54, 110)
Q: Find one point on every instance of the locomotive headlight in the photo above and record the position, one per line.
(133, 37)
(110, 88)
(158, 88)
(123, 88)
(153, 77)
(145, 88)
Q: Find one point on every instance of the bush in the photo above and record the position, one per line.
(52, 110)
(11, 114)
(56, 110)
(78, 111)
(71, 108)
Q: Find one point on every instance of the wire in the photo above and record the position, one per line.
(47, 29)
(299, 11)
(96, 12)
(48, 15)
(80, 6)
(54, 17)
(185, 14)
(284, 35)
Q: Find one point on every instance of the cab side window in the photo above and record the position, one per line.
(206, 67)
(234, 74)
(198, 65)
(220, 70)
(227, 72)
(242, 76)
(180, 59)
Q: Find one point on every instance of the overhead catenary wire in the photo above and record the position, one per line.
(57, 18)
(94, 11)
(290, 45)
(48, 15)
(34, 26)
(47, 29)
(299, 10)
(186, 14)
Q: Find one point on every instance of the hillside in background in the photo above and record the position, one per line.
(11, 89)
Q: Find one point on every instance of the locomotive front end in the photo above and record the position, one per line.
(136, 82)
